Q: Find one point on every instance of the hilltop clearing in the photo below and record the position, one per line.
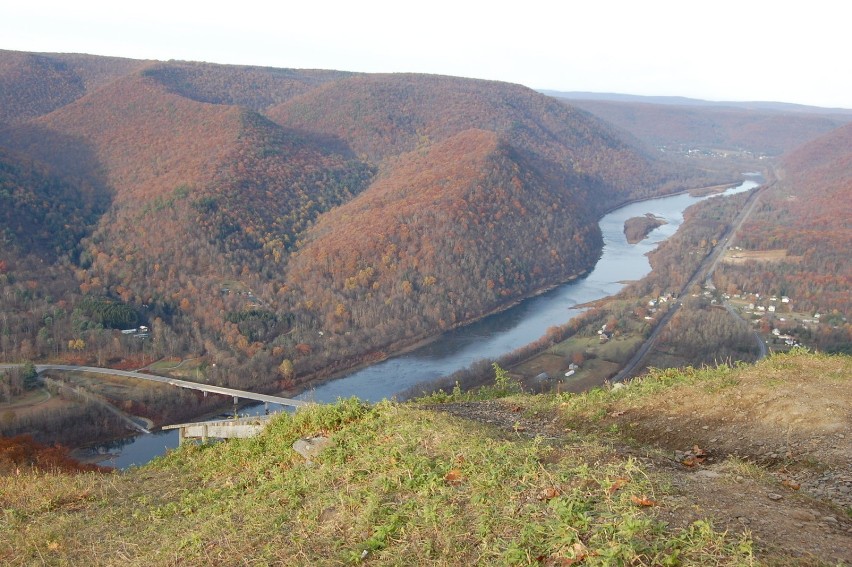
(674, 468)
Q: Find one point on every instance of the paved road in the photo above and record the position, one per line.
(761, 344)
(242, 394)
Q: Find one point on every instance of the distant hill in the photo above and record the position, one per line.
(381, 116)
(762, 128)
(685, 101)
(256, 88)
(34, 84)
(486, 192)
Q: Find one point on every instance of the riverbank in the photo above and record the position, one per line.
(711, 466)
(406, 347)
(401, 348)
(504, 330)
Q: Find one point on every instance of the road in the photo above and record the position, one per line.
(761, 344)
(705, 272)
(236, 394)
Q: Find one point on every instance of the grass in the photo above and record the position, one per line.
(399, 485)
(191, 368)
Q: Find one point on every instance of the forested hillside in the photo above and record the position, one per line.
(256, 88)
(41, 214)
(33, 84)
(273, 220)
(441, 237)
(807, 216)
(382, 116)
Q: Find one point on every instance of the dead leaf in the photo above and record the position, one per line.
(548, 493)
(642, 500)
(579, 553)
(516, 409)
(619, 482)
(688, 461)
(454, 477)
(791, 484)
(617, 413)
(699, 452)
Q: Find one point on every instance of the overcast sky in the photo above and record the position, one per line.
(717, 50)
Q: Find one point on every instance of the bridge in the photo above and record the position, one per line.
(236, 394)
(227, 429)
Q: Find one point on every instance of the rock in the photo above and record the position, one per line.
(802, 515)
(707, 474)
(774, 496)
(310, 447)
(618, 386)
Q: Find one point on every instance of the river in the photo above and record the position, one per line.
(488, 338)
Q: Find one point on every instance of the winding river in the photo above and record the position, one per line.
(488, 338)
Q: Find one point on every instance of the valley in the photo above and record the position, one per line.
(510, 326)
(277, 228)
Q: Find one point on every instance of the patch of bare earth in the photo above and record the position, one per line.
(767, 451)
(746, 256)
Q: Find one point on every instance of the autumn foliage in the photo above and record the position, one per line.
(23, 453)
(807, 215)
(255, 216)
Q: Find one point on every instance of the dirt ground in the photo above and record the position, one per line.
(769, 453)
(745, 256)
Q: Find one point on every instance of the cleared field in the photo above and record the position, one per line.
(27, 399)
(187, 368)
(600, 361)
(745, 256)
(38, 401)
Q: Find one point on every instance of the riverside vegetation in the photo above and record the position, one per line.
(725, 466)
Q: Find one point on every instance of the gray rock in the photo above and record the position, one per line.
(774, 496)
(802, 515)
(310, 447)
(708, 474)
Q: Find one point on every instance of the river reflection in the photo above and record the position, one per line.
(488, 338)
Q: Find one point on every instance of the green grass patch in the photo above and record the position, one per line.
(398, 485)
